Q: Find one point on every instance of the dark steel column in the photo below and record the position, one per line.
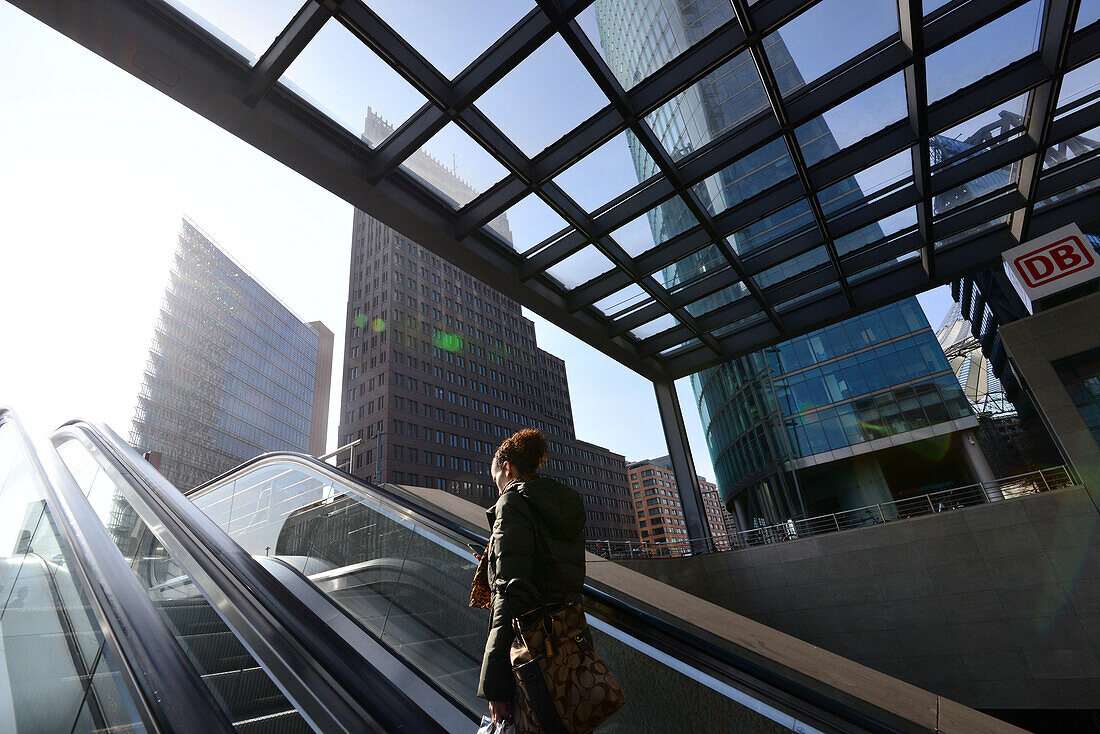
(683, 466)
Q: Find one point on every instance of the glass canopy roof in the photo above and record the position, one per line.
(676, 182)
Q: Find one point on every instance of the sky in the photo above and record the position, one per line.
(97, 169)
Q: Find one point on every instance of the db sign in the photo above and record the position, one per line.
(1051, 263)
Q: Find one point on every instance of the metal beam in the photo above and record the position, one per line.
(683, 466)
(911, 15)
(305, 24)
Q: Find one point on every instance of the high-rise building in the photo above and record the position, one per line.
(659, 511)
(439, 369)
(232, 372)
(822, 405)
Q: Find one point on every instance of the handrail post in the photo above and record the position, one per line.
(880, 512)
(1044, 478)
(836, 522)
(930, 505)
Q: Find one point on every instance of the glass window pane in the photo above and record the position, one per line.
(455, 166)
(528, 223)
(714, 301)
(796, 51)
(623, 301)
(790, 268)
(885, 227)
(1088, 14)
(864, 186)
(692, 268)
(720, 101)
(654, 227)
(961, 138)
(1078, 83)
(637, 39)
(344, 79)
(543, 98)
(748, 176)
(580, 267)
(656, 326)
(851, 121)
(248, 27)
(607, 172)
(451, 35)
(772, 228)
(991, 47)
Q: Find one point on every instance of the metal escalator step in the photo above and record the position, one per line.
(216, 652)
(286, 722)
(247, 694)
(192, 617)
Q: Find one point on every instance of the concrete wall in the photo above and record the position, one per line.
(996, 606)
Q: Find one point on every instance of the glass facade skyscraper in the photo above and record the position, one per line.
(817, 399)
(232, 372)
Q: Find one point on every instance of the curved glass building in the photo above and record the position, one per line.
(810, 426)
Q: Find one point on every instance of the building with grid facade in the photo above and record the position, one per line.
(439, 369)
(232, 372)
(659, 511)
(821, 398)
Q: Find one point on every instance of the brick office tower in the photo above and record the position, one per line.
(659, 512)
(439, 369)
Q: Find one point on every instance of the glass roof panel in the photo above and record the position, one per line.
(249, 27)
(344, 79)
(799, 52)
(623, 301)
(746, 177)
(873, 233)
(1079, 83)
(691, 269)
(1088, 14)
(792, 302)
(654, 327)
(853, 120)
(689, 344)
(715, 301)
(867, 183)
(932, 5)
(1075, 147)
(720, 101)
(451, 35)
(979, 130)
(966, 194)
(543, 98)
(529, 221)
(655, 227)
(637, 39)
(580, 267)
(790, 268)
(607, 172)
(988, 49)
(772, 228)
(453, 164)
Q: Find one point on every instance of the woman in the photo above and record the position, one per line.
(534, 519)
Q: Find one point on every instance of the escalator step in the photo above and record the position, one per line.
(192, 617)
(246, 694)
(217, 652)
(287, 722)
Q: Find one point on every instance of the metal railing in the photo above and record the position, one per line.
(1008, 488)
(347, 466)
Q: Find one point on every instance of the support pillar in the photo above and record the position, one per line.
(979, 466)
(683, 466)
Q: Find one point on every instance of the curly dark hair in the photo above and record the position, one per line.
(525, 450)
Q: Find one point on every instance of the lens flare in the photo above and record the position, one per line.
(360, 321)
(447, 342)
(378, 324)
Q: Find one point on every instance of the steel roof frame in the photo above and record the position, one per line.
(151, 40)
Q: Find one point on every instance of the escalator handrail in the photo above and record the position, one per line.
(162, 682)
(342, 686)
(717, 661)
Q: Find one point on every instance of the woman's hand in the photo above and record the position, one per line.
(500, 710)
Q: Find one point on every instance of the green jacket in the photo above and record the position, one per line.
(558, 513)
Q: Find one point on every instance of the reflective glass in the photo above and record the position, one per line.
(529, 222)
(654, 327)
(988, 49)
(1088, 14)
(872, 233)
(851, 121)
(623, 301)
(866, 184)
(814, 294)
(686, 346)
(772, 228)
(746, 177)
(580, 267)
(635, 236)
(455, 166)
(638, 38)
(715, 301)
(692, 268)
(720, 101)
(798, 54)
(607, 172)
(1069, 150)
(543, 98)
(977, 132)
(451, 35)
(344, 79)
(663, 223)
(247, 26)
(790, 268)
(962, 196)
(1079, 83)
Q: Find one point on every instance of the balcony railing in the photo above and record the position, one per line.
(1008, 488)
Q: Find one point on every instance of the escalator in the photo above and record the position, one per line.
(287, 596)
